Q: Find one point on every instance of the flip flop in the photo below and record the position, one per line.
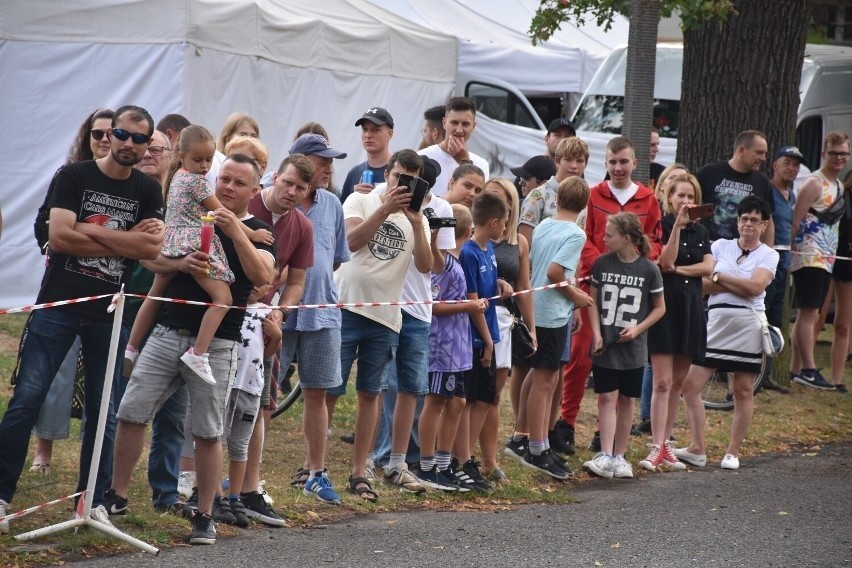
(42, 468)
(361, 487)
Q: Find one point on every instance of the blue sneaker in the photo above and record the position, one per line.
(320, 485)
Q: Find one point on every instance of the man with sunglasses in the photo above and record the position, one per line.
(103, 213)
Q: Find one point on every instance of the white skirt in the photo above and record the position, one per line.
(734, 340)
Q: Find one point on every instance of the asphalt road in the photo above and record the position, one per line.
(791, 510)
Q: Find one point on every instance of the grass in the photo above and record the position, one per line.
(801, 422)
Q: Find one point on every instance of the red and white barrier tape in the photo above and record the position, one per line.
(33, 307)
(20, 514)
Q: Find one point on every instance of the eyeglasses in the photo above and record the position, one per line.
(838, 154)
(137, 137)
(751, 220)
(157, 150)
(98, 134)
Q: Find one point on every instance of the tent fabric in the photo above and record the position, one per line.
(61, 60)
(493, 41)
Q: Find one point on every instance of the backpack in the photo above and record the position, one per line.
(40, 227)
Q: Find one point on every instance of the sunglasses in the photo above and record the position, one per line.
(137, 137)
(98, 134)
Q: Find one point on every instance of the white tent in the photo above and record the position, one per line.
(284, 62)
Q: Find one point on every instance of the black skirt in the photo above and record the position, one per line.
(683, 328)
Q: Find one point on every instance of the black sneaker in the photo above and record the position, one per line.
(447, 478)
(114, 504)
(813, 378)
(517, 449)
(258, 509)
(642, 428)
(348, 439)
(560, 461)
(431, 480)
(463, 479)
(595, 444)
(239, 511)
(565, 431)
(222, 511)
(546, 463)
(203, 529)
(558, 443)
(841, 388)
(191, 504)
(471, 468)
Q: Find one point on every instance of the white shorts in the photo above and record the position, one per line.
(503, 348)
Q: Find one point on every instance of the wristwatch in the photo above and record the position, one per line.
(715, 277)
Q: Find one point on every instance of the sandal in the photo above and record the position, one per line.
(361, 487)
(300, 478)
(42, 468)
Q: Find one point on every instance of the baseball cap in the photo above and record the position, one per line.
(562, 123)
(790, 151)
(376, 115)
(431, 171)
(315, 144)
(541, 167)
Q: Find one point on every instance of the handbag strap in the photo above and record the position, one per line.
(764, 323)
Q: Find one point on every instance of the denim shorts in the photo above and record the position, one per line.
(240, 417)
(159, 372)
(373, 344)
(318, 356)
(410, 362)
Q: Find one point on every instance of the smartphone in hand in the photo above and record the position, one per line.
(702, 211)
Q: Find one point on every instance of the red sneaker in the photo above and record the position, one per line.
(654, 459)
(669, 458)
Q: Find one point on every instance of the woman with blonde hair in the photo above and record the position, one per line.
(238, 124)
(512, 252)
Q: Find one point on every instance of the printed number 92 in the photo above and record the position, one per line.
(619, 306)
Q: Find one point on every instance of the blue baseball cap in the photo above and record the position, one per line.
(792, 152)
(316, 145)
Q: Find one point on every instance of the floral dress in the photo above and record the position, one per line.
(183, 223)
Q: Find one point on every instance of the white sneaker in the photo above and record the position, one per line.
(370, 470)
(199, 364)
(186, 481)
(130, 356)
(99, 514)
(4, 510)
(730, 461)
(698, 460)
(622, 468)
(601, 465)
(404, 479)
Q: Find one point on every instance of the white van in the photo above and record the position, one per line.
(826, 102)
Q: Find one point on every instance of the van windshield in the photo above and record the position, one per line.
(605, 113)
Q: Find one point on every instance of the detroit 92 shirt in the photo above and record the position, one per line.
(96, 198)
(623, 298)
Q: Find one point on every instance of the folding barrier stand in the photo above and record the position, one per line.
(85, 516)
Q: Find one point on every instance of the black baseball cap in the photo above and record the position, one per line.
(540, 167)
(376, 115)
(431, 171)
(562, 123)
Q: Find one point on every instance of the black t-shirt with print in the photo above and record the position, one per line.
(184, 286)
(94, 197)
(723, 185)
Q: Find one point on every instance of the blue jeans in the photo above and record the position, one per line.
(54, 418)
(774, 300)
(647, 389)
(50, 335)
(166, 444)
(408, 372)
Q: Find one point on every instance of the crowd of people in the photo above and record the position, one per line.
(619, 273)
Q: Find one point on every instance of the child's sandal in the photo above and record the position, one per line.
(361, 487)
(42, 468)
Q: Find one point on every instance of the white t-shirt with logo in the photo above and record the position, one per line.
(376, 272)
(417, 285)
(448, 166)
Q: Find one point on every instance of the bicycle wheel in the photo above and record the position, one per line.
(717, 395)
(288, 401)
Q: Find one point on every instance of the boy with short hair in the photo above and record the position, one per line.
(554, 254)
(261, 338)
(450, 357)
(490, 214)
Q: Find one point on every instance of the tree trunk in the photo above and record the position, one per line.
(739, 76)
(639, 82)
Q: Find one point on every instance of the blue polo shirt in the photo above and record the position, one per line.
(330, 246)
(782, 217)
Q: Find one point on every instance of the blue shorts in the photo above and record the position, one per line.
(318, 356)
(410, 362)
(447, 385)
(373, 344)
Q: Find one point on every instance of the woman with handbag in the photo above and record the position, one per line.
(512, 252)
(744, 268)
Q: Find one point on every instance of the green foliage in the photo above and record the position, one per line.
(551, 13)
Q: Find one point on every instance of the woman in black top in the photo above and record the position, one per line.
(682, 332)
